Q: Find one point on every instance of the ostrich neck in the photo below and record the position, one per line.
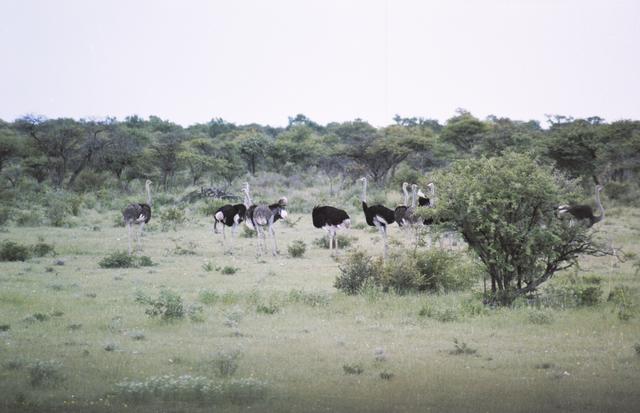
(148, 195)
(599, 204)
(413, 197)
(406, 195)
(433, 195)
(364, 191)
(247, 199)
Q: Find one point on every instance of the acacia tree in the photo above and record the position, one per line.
(504, 207)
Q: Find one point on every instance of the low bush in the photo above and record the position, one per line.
(540, 317)
(12, 251)
(297, 248)
(462, 348)
(228, 270)
(208, 297)
(168, 306)
(42, 249)
(121, 259)
(247, 232)
(356, 269)
(311, 298)
(5, 214)
(352, 369)
(117, 259)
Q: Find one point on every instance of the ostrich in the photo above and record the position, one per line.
(398, 213)
(584, 212)
(231, 215)
(265, 216)
(331, 219)
(377, 215)
(138, 214)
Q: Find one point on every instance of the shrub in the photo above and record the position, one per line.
(311, 298)
(117, 259)
(344, 241)
(228, 270)
(45, 373)
(352, 369)
(171, 217)
(226, 362)
(461, 348)
(444, 315)
(540, 317)
(211, 206)
(42, 249)
(355, 271)
(168, 306)
(12, 251)
(297, 248)
(144, 261)
(270, 308)
(636, 347)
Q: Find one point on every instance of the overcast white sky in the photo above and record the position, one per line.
(262, 61)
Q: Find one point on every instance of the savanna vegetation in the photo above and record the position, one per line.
(498, 295)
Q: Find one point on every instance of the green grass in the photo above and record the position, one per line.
(296, 333)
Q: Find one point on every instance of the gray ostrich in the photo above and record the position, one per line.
(265, 216)
(138, 214)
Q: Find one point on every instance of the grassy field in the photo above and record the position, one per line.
(275, 335)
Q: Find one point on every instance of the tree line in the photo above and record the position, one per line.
(76, 154)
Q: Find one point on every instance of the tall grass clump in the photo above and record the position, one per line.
(171, 217)
(45, 373)
(121, 259)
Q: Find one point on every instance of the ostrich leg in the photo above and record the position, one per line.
(259, 241)
(129, 232)
(140, 236)
(273, 235)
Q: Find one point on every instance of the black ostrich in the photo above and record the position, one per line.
(377, 216)
(331, 219)
(584, 212)
(400, 210)
(231, 215)
(138, 214)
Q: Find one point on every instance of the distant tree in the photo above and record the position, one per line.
(577, 146)
(165, 149)
(10, 144)
(253, 147)
(199, 155)
(302, 120)
(504, 134)
(463, 131)
(124, 149)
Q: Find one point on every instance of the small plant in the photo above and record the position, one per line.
(45, 373)
(444, 315)
(12, 251)
(311, 298)
(207, 266)
(168, 306)
(226, 362)
(270, 308)
(195, 313)
(462, 348)
(171, 217)
(117, 259)
(352, 369)
(385, 375)
(540, 317)
(589, 295)
(297, 248)
(5, 327)
(636, 347)
(208, 297)
(40, 316)
(228, 270)
(110, 346)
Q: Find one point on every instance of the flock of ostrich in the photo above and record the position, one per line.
(262, 217)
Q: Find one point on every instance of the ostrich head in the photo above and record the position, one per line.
(599, 188)
(431, 187)
(148, 183)
(421, 194)
(405, 185)
(282, 203)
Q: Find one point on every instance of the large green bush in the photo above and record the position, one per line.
(505, 209)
